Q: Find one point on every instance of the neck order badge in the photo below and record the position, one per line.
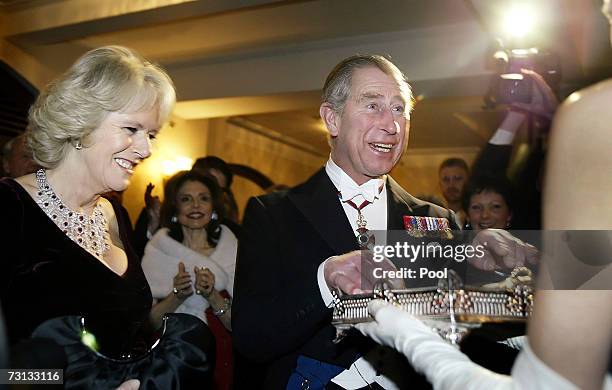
(364, 239)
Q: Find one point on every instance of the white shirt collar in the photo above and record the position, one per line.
(369, 190)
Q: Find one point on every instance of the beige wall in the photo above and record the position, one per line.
(282, 163)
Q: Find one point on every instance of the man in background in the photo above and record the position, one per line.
(452, 176)
(17, 158)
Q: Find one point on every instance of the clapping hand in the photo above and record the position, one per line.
(205, 281)
(153, 207)
(182, 283)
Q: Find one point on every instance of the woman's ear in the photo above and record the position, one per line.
(330, 118)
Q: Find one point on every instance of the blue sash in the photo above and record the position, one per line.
(312, 374)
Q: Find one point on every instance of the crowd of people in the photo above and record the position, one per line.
(192, 297)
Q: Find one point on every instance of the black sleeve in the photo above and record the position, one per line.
(139, 237)
(277, 304)
(452, 218)
(11, 227)
(492, 160)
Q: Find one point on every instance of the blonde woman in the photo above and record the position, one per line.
(68, 266)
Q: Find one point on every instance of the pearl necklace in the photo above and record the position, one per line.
(90, 233)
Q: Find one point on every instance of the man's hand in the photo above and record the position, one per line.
(502, 251)
(352, 272)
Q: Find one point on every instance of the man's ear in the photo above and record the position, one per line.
(330, 118)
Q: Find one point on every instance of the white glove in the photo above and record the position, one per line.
(446, 367)
(132, 384)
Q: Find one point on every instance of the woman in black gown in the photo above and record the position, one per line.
(66, 254)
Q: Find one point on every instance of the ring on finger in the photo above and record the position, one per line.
(175, 290)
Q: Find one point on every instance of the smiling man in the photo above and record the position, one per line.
(299, 245)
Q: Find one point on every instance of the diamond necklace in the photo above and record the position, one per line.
(90, 233)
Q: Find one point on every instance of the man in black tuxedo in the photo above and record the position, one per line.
(300, 244)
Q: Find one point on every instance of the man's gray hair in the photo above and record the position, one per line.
(338, 83)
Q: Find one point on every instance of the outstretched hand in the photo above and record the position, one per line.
(502, 251)
(390, 323)
(353, 272)
(444, 365)
(544, 102)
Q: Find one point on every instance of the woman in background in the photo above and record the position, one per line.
(190, 262)
(488, 203)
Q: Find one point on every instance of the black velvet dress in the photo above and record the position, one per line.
(45, 275)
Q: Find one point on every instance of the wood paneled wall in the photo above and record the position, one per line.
(282, 163)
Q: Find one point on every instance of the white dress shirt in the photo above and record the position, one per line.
(361, 373)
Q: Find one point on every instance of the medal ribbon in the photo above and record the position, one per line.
(362, 238)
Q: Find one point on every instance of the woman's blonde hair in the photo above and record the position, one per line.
(104, 80)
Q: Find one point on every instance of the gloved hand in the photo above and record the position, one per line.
(132, 384)
(446, 367)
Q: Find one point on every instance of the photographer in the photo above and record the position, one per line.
(524, 172)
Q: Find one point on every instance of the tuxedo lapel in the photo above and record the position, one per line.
(398, 205)
(317, 200)
(401, 203)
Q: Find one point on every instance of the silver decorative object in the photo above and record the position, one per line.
(451, 309)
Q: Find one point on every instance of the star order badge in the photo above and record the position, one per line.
(432, 227)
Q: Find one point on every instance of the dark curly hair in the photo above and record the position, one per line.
(488, 183)
(205, 164)
(169, 209)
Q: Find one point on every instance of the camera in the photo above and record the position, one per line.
(511, 86)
